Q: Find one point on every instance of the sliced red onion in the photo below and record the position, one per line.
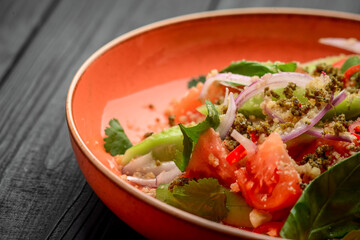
(165, 172)
(167, 177)
(143, 181)
(145, 164)
(164, 177)
(228, 120)
(273, 81)
(350, 44)
(138, 163)
(249, 146)
(303, 127)
(317, 132)
(272, 115)
(224, 77)
(226, 98)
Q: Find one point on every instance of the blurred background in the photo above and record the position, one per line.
(43, 194)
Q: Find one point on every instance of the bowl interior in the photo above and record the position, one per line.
(134, 77)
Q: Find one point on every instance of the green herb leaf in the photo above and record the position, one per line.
(330, 206)
(351, 61)
(205, 198)
(192, 134)
(194, 81)
(116, 141)
(247, 68)
(287, 67)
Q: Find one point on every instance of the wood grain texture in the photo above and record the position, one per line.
(42, 44)
(19, 22)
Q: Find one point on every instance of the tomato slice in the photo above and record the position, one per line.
(338, 146)
(269, 181)
(209, 159)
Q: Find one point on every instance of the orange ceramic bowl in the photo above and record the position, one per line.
(115, 81)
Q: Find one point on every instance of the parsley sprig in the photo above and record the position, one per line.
(116, 142)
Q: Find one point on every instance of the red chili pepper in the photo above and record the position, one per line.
(357, 130)
(254, 137)
(349, 72)
(236, 155)
(354, 129)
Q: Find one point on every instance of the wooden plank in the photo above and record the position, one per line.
(19, 22)
(43, 193)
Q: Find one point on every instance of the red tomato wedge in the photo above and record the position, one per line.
(185, 109)
(269, 181)
(209, 160)
(338, 146)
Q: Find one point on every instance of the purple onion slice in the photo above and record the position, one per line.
(142, 181)
(273, 81)
(249, 146)
(145, 164)
(228, 120)
(224, 77)
(165, 172)
(317, 132)
(303, 127)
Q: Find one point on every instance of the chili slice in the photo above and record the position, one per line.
(354, 129)
(236, 155)
(351, 70)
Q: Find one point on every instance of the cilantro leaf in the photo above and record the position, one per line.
(194, 81)
(249, 68)
(116, 142)
(286, 67)
(192, 134)
(351, 61)
(204, 197)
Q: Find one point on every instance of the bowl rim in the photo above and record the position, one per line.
(175, 212)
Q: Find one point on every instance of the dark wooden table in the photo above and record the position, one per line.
(43, 194)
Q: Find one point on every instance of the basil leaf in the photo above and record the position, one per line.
(116, 141)
(247, 68)
(351, 61)
(204, 197)
(330, 206)
(287, 67)
(194, 81)
(192, 134)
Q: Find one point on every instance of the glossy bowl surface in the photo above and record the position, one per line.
(135, 76)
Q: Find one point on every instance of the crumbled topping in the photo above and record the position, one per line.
(213, 161)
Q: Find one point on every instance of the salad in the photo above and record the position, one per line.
(269, 147)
